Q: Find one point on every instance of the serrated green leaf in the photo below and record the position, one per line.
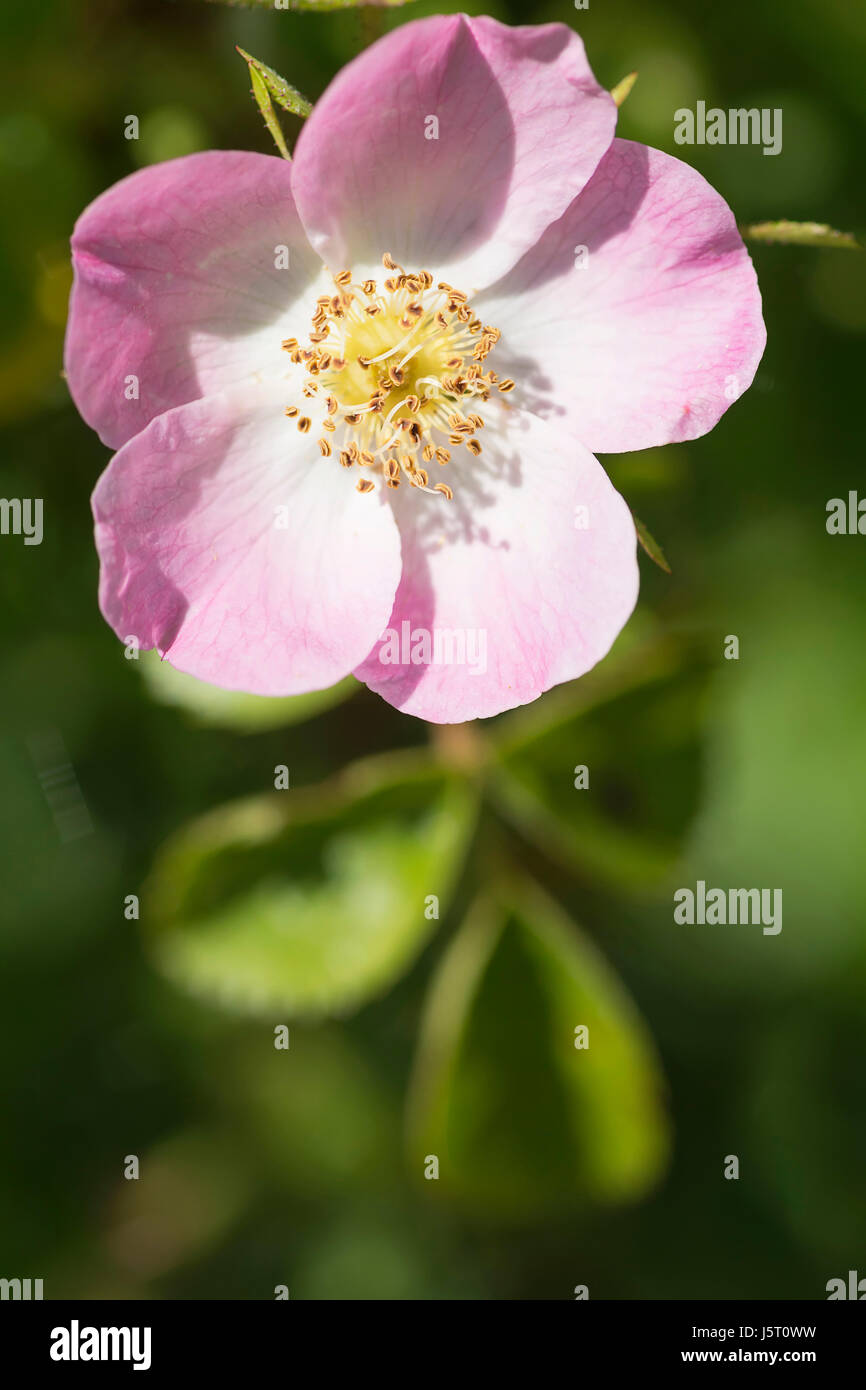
(786, 233)
(650, 545)
(310, 901)
(263, 101)
(232, 709)
(521, 1120)
(286, 96)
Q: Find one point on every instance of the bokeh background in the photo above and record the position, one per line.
(411, 1036)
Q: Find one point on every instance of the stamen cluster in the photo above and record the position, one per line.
(391, 373)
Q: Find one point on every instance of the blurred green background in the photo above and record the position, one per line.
(412, 1036)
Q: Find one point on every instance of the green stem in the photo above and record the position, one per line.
(372, 24)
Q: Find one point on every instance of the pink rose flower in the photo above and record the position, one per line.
(354, 397)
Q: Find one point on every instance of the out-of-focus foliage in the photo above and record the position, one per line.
(623, 87)
(650, 545)
(800, 234)
(232, 709)
(630, 733)
(784, 805)
(310, 903)
(263, 1167)
(536, 1084)
(321, 6)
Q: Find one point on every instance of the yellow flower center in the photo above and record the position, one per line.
(397, 371)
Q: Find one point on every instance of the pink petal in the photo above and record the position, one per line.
(197, 562)
(522, 125)
(529, 595)
(662, 330)
(176, 284)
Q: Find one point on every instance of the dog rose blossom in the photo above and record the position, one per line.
(355, 396)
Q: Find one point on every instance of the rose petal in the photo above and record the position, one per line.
(177, 286)
(198, 560)
(520, 586)
(522, 124)
(660, 332)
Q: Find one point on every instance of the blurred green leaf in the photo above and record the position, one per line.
(800, 234)
(806, 1106)
(623, 87)
(189, 1194)
(313, 901)
(650, 545)
(633, 725)
(368, 1254)
(316, 1115)
(521, 1119)
(320, 5)
(232, 709)
(784, 804)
